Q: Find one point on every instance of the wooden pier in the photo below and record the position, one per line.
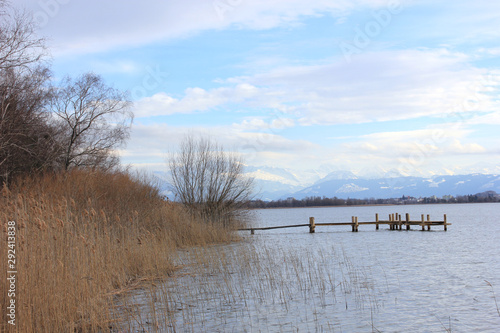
(395, 222)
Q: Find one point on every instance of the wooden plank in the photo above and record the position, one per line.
(336, 223)
(277, 227)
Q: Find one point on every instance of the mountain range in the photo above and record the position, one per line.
(276, 183)
(273, 183)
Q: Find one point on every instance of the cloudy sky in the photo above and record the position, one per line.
(362, 84)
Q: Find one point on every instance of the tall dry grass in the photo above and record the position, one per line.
(82, 238)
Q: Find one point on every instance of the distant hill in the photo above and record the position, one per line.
(383, 188)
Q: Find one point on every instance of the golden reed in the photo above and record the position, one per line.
(84, 237)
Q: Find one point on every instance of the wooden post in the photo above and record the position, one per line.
(407, 221)
(391, 218)
(376, 220)
(400, 223)
(445, 227)
(423, 225)
(356, 223)
(312, 226)
(428, 220)
(353, 223)
(252, 231)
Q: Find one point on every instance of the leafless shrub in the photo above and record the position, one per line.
(208, 180)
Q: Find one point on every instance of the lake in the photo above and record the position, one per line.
(335, 280)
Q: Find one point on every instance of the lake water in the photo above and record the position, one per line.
(335, 280)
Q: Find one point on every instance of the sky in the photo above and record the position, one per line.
(407, 86)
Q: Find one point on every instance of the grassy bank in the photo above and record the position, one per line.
(84, 237)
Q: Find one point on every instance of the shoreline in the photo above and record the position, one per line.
(373, 205)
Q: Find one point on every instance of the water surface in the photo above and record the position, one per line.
(335, 280)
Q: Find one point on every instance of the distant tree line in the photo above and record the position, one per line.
(316, 201)
(43, 126)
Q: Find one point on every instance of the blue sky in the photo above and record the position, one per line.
(411, 86)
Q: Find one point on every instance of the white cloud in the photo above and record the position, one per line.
(149, 144)
(194, 100)
(492, 51)
(78, 27)
(429, 142)
(490, 118)
(417, 152)
(378, 86)
(93, 25)
(262, 141)
(457, 147)
(257, 123)
(116, 66)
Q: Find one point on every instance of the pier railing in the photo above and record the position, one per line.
(395, 222)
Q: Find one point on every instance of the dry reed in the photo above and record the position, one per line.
(83, 238)
(243, 287)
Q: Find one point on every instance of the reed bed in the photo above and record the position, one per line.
(248, 287)
(83, 239)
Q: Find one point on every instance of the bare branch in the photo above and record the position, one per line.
(209, 180)
(27, 139)
(94, 118)
(19, 45)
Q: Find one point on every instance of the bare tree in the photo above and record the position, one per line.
(19, 45)
(79, 124)
(94, 120)
(209, 180)
(26, 137)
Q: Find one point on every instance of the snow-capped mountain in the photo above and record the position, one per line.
(338, 175)
(376, 182)
(273, 183)
(383, 188)
(271, 174)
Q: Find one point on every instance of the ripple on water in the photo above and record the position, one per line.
(338, 281)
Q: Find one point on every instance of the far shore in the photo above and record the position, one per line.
(373, 205)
